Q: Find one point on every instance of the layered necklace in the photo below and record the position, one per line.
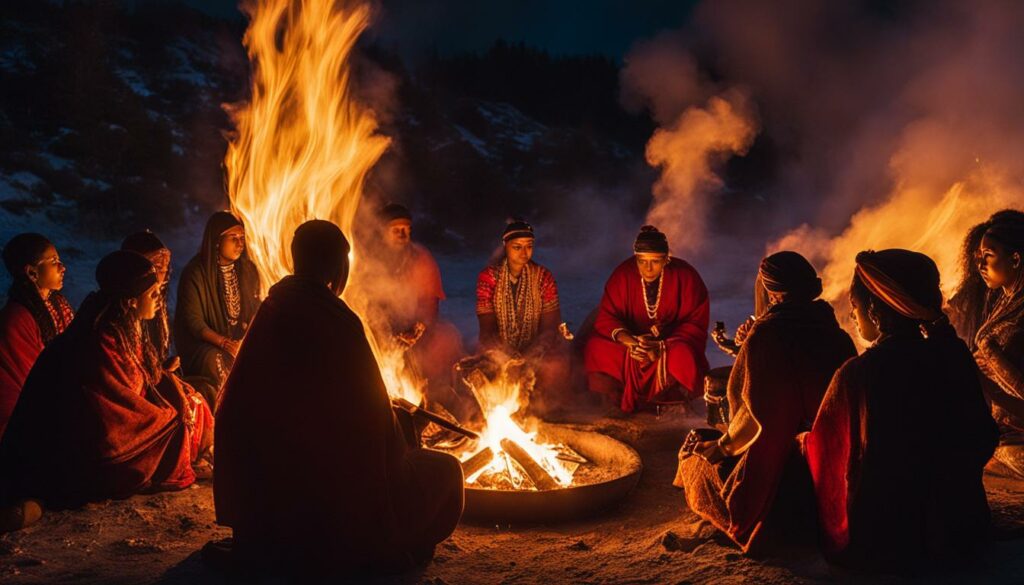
(652, 311)
(232, 294)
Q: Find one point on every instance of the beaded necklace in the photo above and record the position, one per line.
(652, 312)
(232, 294)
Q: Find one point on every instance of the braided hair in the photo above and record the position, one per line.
(21, 251)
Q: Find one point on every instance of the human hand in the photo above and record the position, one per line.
(744, 330)
(231, 346)
(710, 451)
(639, 354)
(172, 364)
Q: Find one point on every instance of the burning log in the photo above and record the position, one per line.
(540, 477)
(477, 462)
(438, 420)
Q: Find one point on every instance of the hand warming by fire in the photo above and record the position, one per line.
(349, 425)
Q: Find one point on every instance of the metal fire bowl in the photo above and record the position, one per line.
(484, 505)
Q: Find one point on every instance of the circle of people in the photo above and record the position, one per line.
(891, 444)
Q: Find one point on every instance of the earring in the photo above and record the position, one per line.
(873, 314)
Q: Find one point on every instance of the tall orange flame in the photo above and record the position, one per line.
(303, 146)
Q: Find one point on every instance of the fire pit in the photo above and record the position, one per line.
(610, 471)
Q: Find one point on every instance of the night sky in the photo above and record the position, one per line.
(559, 26)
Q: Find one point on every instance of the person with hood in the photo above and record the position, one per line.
(218, 295)
(34, 315)
(903, 434)
(742, 481)
(322, 481)
(98, 417)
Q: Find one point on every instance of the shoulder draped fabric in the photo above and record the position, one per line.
(312, 467)
(774, 390)
(681, 319)
(897, 453)
(21, 342)
(89, 427)
(201, 305)
(518, 307)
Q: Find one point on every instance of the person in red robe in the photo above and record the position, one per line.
(98, 418)
(651, 329)
(899, 445)
(402, 282)
(752, 482)
(314, 474)
(34, 315)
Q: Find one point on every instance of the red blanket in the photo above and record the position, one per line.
(682, 320)
(88, 427)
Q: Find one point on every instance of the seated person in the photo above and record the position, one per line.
(34, 315)
(314, 474)
(403, 283)
(781, 373)
(651, 329)
(1000, 339)
(98, 418)
(150, 246)
(217, 298)
(518, 310)
(903, 434)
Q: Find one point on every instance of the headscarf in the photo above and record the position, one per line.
(904, 280)
(393, 211)
(144, 242)
(790, 273)
(209, 257)
(650, 240)
(319, 249)
(517, 229)
(125, 274)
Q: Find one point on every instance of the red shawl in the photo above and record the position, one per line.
(309, 454)
(20, 345)
(897, 453)
(682, 321)
(88, 427)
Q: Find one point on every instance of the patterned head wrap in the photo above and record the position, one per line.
(650, 240)
(906, 281)
(790, 273)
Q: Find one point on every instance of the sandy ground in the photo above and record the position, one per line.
(156, 539)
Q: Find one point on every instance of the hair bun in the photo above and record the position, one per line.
(648, 228)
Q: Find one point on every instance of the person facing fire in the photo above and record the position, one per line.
(519, 314)
(752, 483)
(323, 481)
(651, 329)
(218, 295)
(150, 246)
(972, 298)
(1000, 338)
(34, 315)
(403, 282)
(98, 417)
(903, 434)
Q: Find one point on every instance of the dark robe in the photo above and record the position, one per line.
(781, 374)
(682, 321)
(313, 471)
(897, 453)
(201, 306)
(89, 427)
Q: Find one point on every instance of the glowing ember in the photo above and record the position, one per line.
(302, 150)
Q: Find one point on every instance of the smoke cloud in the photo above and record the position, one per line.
(692, 140)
